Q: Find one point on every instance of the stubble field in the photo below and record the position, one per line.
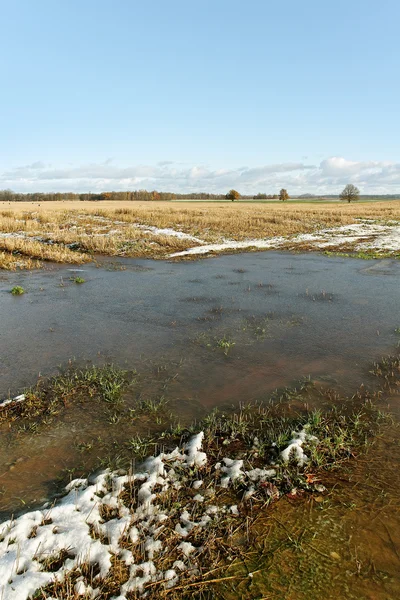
(75, 232)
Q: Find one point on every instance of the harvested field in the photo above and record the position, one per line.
(75, 232)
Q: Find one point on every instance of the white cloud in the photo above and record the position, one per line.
(328, 177)
(338, 166)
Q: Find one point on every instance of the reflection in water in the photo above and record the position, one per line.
(314, 323)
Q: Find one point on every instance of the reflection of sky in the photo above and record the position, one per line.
(321, 316)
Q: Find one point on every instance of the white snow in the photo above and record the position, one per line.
(195, 457)
(386, 237)
(186, 548)
(19, 398)
(230, 245)
(77, 526)
(295, 450)
(170, 232)
(260, 474)
(233, 471)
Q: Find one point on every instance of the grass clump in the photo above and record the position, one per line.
(225, 344)
(50, 397)
(17, 290)
(77, 279)
(387, 371)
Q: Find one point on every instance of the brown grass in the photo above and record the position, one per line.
(9, 262)
(21, 247)
(110, 227)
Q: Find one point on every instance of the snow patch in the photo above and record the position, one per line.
(294, 449)
(76, 526)
(385, 237)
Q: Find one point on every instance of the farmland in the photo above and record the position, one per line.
(78, 232)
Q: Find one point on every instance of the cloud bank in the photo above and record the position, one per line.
(328, 177)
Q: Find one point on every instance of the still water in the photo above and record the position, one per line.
(288, 316)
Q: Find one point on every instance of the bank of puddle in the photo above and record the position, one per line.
(217, 333)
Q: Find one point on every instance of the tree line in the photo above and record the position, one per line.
(349, 194)
(136, 195)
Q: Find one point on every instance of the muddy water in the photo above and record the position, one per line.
(342, 545)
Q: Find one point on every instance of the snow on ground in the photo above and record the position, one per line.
(19, 398)
(364, 235)
(91, 524)
(99, 232)
(385, 238)
(170, 232)
(231, 245)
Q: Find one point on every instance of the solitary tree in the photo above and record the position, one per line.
(350, 193)
(232, 195)
(283, 195)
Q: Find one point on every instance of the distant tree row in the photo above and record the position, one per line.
(136, 195)
(141, 195)
(283, 195)
(349, 194)
(266, 197)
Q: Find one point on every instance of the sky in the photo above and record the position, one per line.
(200, 95)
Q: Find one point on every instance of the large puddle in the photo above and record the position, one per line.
(212, 333)
(288, 315)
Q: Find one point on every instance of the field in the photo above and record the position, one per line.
(75, 232)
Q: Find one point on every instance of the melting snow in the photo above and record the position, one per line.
(76, 524)
(295, 447)
(171, 232)
(385, 237)
(19, 398)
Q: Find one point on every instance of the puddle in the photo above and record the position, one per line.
(218, 332)
(156, 309)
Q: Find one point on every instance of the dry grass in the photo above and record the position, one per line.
(241, 221)
(111, 228)
(18, 247)
(9, 262)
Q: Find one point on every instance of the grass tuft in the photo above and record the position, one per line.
(17, 290)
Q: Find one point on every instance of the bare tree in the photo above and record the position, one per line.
(350, 193)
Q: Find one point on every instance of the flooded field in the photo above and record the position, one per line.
(195, 336)
(288, 316)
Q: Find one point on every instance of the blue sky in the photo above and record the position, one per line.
(200, 95)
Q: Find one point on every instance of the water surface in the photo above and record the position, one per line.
(322, 317)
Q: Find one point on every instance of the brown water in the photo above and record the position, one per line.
(283, 316)
(341, 545)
